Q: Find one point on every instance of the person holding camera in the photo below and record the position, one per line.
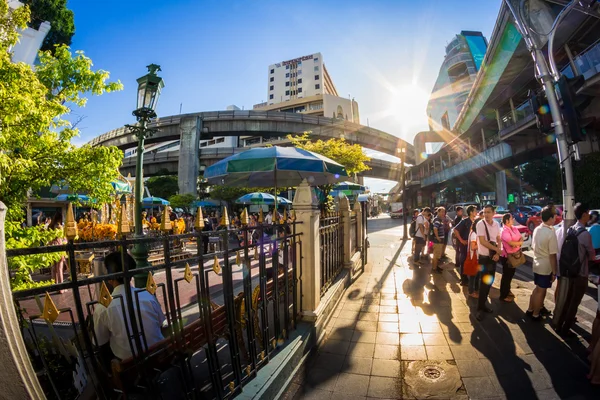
(488, 237)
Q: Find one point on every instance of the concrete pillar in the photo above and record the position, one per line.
(483, 137)
(306, 206)
(359, 225)
(346, 215)
(501, 192)
(17, 377)
(498, 119)
(574, 65)
(187, 176)
(513, 112)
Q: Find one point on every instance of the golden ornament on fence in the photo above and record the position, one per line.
(50, 310)
(70, 224)
(216, 266)
(231, 386)
(244, 217)
(224, 218)
(238, 259)
(261, 217)
(199, 222)
(165, 221)
(151, 284)
(105, 296)
(248, 370)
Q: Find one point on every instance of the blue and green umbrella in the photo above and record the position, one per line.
(261, 198)
(154, 201)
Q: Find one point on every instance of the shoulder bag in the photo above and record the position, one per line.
(515, 259)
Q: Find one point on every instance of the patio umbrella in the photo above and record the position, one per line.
(348, 186)
(73, 197)
(154, 201)
(206, 203)
(261, 198)
(275, 166)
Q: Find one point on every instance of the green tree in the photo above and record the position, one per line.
(163, 186)
(230, 194)
(351, 156)
(587, 180)
(35, 138)
(61, 19)
(542, 175)
(182, 201)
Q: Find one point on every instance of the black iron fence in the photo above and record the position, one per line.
(225, 314)
(332, 248)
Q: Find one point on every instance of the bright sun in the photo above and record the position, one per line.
(408, 105)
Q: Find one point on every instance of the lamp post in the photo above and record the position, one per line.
(149, 88)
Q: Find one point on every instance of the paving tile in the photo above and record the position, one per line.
(329, 362)
(341, 334)
(386, 352)
(391, 327)
(412, 353)
(364, 337)
(351, 307)
(388, 296)
(349, 314)
(480, 387)
(344, 396)
(345, 323)
(439, 353)
(361, 350)
(388, 338)
(388, 317)
(409, 326)
(388, 368)
(431, 327)
(411, 339)
(368, 316)
(388, 302)
(323, 379)
(372, 309)
(382, 387)
(366, 326)
(434, 339)
(353, 384)
(465, 327)
(465, 352)
(388, 309)
(357, 365)
(335, 347)
(308, 393)
(470, 368)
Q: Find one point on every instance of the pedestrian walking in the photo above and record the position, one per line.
(471, 265)
(412, 231)
(488, 236)
(58, 268)
(545, 263)
(594, 347)
(462, 230)
(512, 256)
(577, 250)
(422, 234)
(439, 238)
(448, 223)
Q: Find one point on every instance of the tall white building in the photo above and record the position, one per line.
(30, 40)
(298, 78)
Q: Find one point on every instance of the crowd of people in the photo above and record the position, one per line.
(566, 255)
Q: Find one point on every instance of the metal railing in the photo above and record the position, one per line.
(332, 249)
(227, 313)
(588, 62)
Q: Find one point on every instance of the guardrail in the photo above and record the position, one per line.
(332, 249)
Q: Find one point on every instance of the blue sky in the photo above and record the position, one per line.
(216, 53)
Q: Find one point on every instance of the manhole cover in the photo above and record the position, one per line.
(432, 379)
(432, 372)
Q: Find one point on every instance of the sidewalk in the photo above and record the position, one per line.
(400, 332)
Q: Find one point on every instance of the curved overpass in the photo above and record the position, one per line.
(158, 163)
(258, 123)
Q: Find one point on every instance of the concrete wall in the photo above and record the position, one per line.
(331, 104)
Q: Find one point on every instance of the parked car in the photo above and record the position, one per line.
(501, 210)
(521, 213)
(451, 211)
(536, 219)
(523, 230)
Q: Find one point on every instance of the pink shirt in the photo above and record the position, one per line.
(509, 234)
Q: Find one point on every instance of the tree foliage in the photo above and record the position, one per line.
(587, 180)
(163, 186)
(351, 156)
(541, 174)
(61, 19)
(230, 194)
(35, 138)
(182, 201)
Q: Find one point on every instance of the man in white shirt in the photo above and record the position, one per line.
(269, 218)
(109, 322)
(422, 233)
(545, 262)
(488, 244)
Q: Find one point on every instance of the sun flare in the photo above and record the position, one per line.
(408, 105)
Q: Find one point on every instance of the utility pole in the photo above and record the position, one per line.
(547, 80)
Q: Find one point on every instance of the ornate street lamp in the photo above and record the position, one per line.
(149, 88)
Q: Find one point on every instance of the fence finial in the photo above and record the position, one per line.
(216, 265)
(165, 221)
(285, 216)
(50, 310)
(70, 224)
(261, 217)
(199, 222)
(187, 274)
(122, 223)
(225, 217)
(244, 217)
(151, 284)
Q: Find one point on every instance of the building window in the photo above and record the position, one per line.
(316, 77)
(270, 97)
(316, 59)
(299, 72)
(299, 90)
(272, 71)
(299, 62)
(287, 75)
(300, 81)
(220, 140)
(287, 83)
(287, 66)
(271, 87)
(272, 79)
(287, 92)
(316, 68)
(317, 86)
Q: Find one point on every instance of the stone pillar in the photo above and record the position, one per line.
(17, 377)
(501, 192)
(306, 206)
(187, 176)
(359, 228)
(346, 215)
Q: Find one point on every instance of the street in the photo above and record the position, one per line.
(400, 332)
